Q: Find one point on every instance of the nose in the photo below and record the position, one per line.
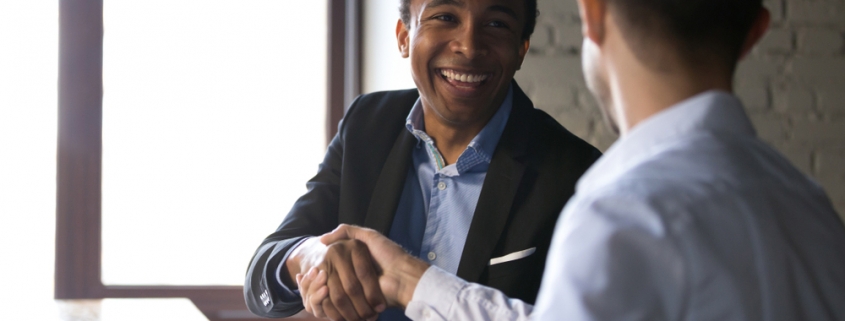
(469, 42)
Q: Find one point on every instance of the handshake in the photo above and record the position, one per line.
(354, 273)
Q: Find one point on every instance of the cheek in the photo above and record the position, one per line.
(420, 52)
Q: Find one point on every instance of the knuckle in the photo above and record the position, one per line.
(358, 245)
(336, 292)
(374, 299)
(353, 290)
(365, 273)
(333, 250)
(329, 311)
(342, 305)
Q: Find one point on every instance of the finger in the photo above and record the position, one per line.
(307, 294)
(304, 281)
(316, 301)
(350, 232)
(340, 298)
(317, 282)
(329, 310)
(359, 263)
(368, 276)
(304, 295)
(339, 233)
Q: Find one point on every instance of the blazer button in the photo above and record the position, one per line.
(431, 256)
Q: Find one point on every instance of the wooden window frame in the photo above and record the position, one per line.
(79, 169)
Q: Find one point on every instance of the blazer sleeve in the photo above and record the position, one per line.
(315, 213)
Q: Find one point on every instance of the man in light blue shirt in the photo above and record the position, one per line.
(688, 216)
(426, 224)
(438, 200)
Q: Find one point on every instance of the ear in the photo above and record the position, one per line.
(522, 51)
(758, 29)
(402, 38)
(593, 13)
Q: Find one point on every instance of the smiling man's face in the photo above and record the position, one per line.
(464, 54)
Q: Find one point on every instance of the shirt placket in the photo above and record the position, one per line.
(433, 221)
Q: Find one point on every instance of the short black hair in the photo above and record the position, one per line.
(694, 27)
(530, 16)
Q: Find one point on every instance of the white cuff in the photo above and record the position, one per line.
(434, 296)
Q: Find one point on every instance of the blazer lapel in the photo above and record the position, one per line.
(391, 182)
(498, 192)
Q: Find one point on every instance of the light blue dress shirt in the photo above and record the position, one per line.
(688, 217)
(438, 202)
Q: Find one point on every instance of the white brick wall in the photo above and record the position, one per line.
(793, 83)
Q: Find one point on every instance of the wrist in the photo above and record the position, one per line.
(307, 254)
(410, 271)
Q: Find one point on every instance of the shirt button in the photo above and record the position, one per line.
(441, 186)
(431, 256)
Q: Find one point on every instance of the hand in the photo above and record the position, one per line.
(400, 271)
(344, 286)
(314, 291)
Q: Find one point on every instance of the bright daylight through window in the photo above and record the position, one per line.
(213, 120)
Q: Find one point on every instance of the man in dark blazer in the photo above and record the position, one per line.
(464, 55)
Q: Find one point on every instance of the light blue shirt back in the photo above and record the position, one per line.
(689, 216)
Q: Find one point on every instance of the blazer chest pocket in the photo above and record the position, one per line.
(513, 264)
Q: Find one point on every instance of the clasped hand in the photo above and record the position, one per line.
(362, 273)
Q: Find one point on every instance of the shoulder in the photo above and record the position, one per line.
(549, 138)
(545, 133)
(551, 131)
(383, 111)
(701, 177)
(616, 236)
(396, 103)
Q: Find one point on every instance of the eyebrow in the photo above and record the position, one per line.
(503, 9)
(437, 3)
(459, 3)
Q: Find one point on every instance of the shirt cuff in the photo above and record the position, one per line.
(436, 291)
(285, 294)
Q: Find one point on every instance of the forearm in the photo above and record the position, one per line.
(407, 274)
(440, 295)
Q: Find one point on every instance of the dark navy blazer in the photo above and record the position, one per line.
(532, 174)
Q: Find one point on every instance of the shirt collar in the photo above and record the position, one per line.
(484, 143)
(713, 111)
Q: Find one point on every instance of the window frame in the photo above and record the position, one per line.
(79, 154)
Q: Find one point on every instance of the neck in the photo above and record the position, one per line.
(451, 139)
(639, 91)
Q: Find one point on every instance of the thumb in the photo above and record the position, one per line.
(342, 232)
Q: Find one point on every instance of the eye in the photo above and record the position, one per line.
(445, 17)
(498, 24)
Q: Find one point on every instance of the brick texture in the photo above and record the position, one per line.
(793, 84)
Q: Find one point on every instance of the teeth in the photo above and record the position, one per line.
(469, 78)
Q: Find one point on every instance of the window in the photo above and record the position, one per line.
(147, 136)
(213, 119)
(383, 68)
